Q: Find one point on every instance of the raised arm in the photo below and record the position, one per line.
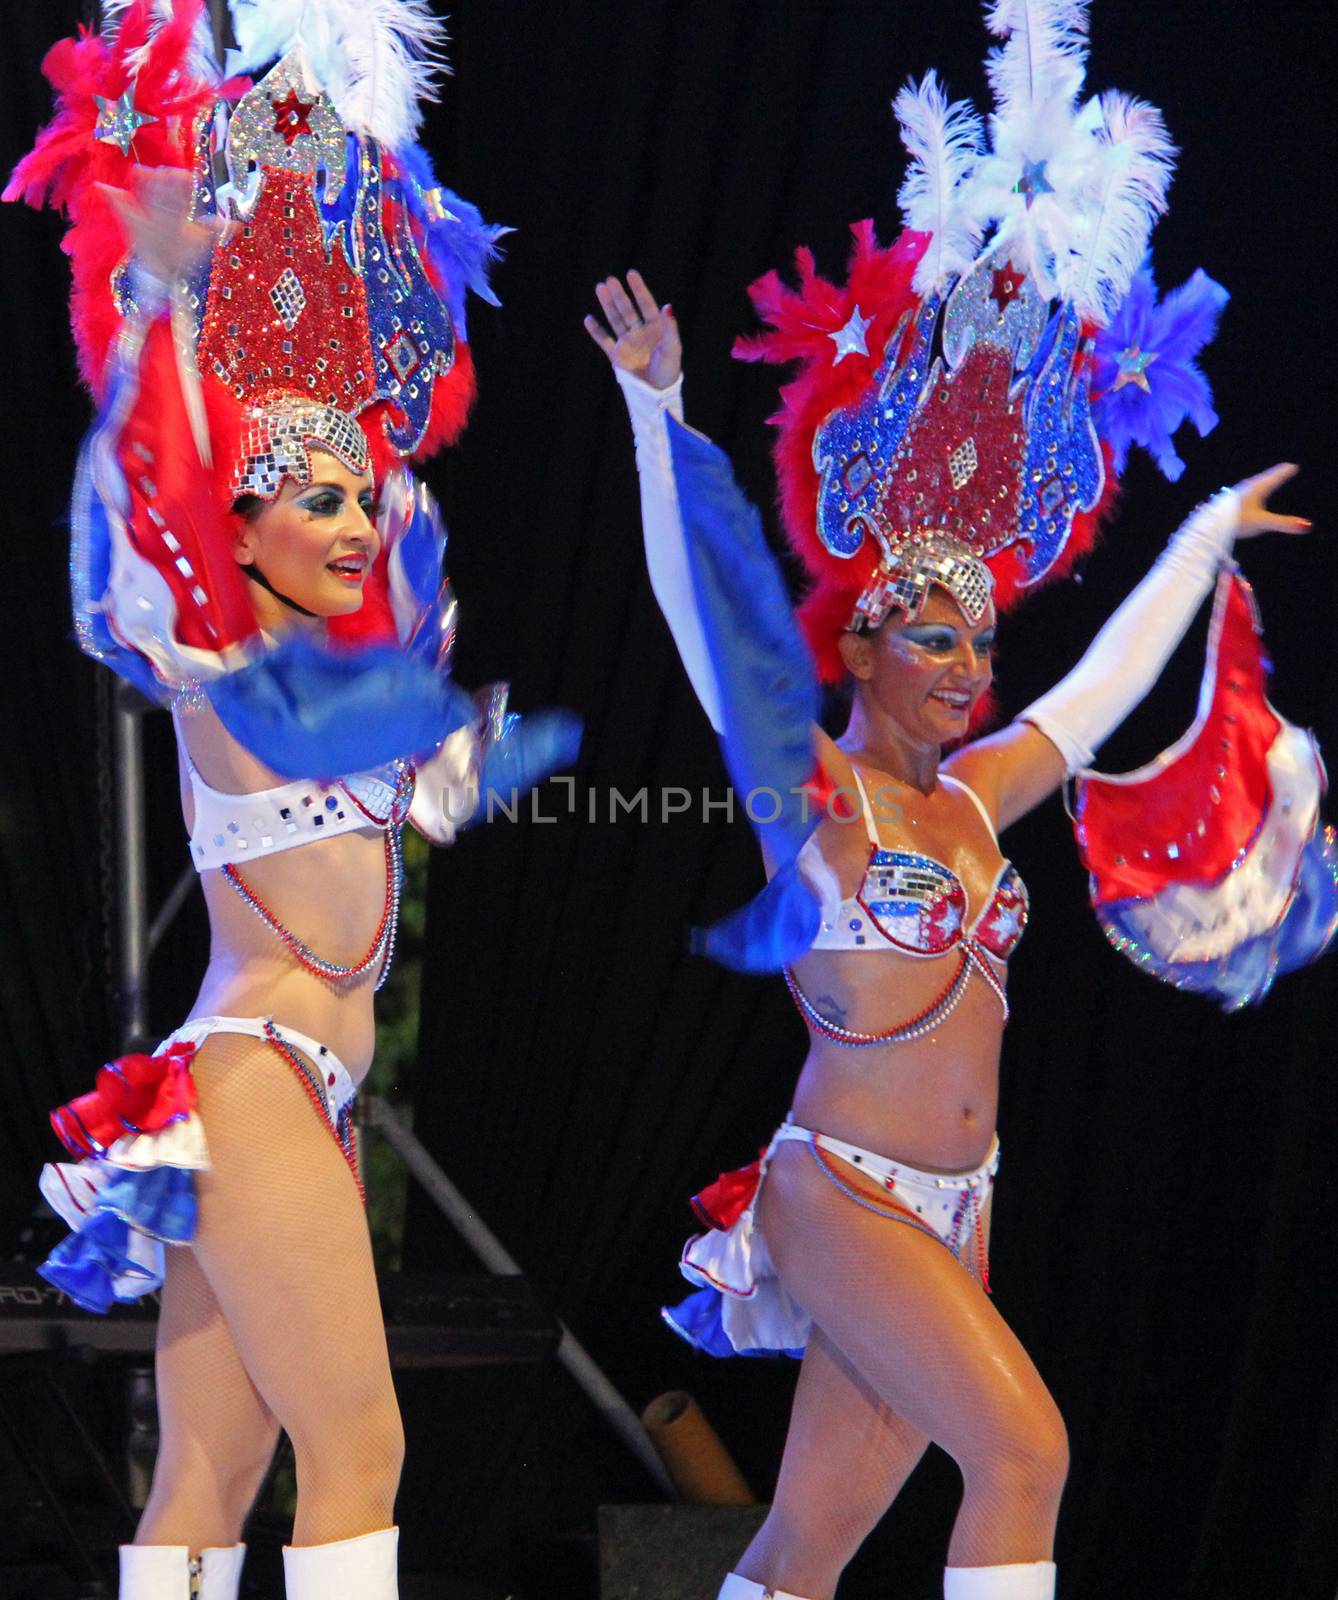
(1017, 768)
(645, 353)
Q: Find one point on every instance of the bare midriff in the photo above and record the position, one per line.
(931, 1101)
(330, 894)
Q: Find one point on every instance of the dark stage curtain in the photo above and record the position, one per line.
(1164, 1226)
(54, 975)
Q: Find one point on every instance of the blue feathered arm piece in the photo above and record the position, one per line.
(1146, 372)
(309, 712)
(768, 695)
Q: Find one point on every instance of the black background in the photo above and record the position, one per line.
(1164, 1229)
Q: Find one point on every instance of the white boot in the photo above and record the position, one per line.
(166, 1572)
(220, 1572)
(737, 1588)
(1026, 1580)
(155, 1572)
(349, 1569)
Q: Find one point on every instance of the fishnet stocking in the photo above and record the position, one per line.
(906, 1348)
(274, 1321)
(216, 1434)
(847, 1455)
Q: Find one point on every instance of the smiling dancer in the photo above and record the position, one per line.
(942, 448)
(251, 549)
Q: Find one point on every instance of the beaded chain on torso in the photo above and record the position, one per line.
(345, 1134)
(922, 1023)
(383, 942)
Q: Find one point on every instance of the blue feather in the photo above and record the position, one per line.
(768, 697)
(1173, 333)
(461, 245)
(313, 713)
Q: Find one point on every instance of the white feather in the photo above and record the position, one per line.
(1044, 53)
(944, 142)
(264, 30)
(1035, 77)
(376, 59)
(1135, 160)
(391, 53)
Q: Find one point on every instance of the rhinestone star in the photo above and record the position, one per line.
(849, 341)
(291, 117)
(119, 121)
(1133, 365)
(1006, 287)
(1033, 182)
(1006, 923)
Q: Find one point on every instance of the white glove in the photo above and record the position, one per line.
(662, 526)
(1126, 658)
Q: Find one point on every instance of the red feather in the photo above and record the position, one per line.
(802, 322)
(68, 166)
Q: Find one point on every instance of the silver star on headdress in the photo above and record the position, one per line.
(849, 341)
(119, 121)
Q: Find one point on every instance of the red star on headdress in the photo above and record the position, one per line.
(1007, 286)
(291, 116)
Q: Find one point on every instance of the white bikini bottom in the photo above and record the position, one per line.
(742, 1307)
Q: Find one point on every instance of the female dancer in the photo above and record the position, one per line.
(218, 550)
(861, 1239)
(896, 1123)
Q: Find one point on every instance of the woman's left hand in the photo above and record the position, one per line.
(1255, 517)
(645, 339)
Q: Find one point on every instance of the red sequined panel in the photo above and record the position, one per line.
(293, 317)
(1006, 919)
(1188, 820)
(959, 466)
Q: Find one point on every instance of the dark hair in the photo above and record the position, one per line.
(248, 506)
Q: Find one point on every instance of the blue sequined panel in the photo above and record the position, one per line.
(413, 341)
(852, 448)
(1064, 473)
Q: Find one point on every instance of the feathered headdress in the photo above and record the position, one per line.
(946, 426)
(330, 314)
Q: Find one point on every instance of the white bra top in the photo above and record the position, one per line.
(231, 828)
(913, 903)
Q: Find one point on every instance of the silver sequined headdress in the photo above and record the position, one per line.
(945, 426)
(318, 309)
(279, 438)
(328, 316)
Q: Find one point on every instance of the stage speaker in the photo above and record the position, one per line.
(671, 1552)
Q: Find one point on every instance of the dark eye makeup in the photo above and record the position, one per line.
(325, 503)
(940, 641)
(330, 500)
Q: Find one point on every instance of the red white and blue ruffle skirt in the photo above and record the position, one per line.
(140, 1144)
(740, 1307)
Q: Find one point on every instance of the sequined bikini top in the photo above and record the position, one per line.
(916, 905)
(233, 828)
